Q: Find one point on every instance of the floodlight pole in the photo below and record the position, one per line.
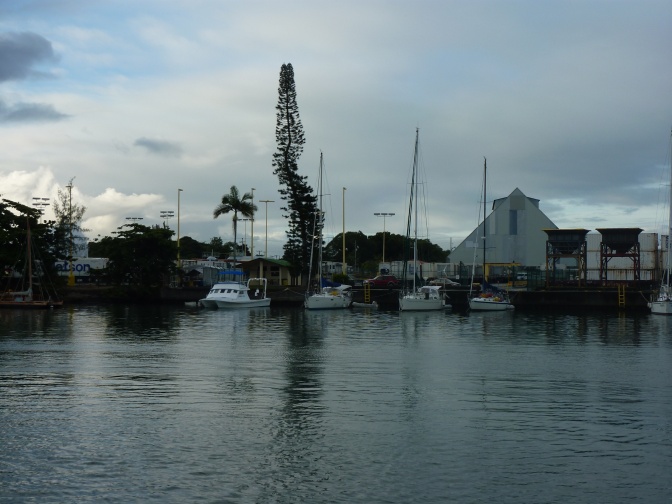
(266, 245)
(383, 215)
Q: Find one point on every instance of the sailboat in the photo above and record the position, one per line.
(31, 293)
(420, 297)
(662, 304)
(328, 295)
(491, 298)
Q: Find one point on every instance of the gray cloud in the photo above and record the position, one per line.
(20, 52)
(29, 112)
(160, 147)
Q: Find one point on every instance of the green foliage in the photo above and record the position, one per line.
(216, 246)
(69, 216)
(139, 255)
(192, 249)
(14, 219)
(341, 278)
(232, 202)
(366, 252)
(300, 202)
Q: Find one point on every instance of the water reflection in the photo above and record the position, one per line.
(275, 405)
(297, 429)
(144, 322)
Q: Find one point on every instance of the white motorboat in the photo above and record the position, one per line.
(237, 295)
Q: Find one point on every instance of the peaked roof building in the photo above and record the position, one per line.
(514, 233)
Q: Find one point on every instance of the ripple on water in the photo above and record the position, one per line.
(179, 404)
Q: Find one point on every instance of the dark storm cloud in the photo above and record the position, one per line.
(29, 112)
(20, 52)
(160, 147)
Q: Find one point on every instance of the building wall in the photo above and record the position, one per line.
(514, 233)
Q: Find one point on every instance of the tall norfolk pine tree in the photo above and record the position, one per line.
(300, 202)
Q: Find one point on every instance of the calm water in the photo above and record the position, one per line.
(165, 404)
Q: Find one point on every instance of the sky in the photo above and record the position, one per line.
(569, 101)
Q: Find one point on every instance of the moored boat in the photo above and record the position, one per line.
(233, 294)
(425, 298)
(422, 297)
(329, 295)
(330, 298)
(661, 304)
(490, 298)
(33, 292)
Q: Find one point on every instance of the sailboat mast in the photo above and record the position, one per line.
(485, 185)
(669, 224)
(415, 189)
(321, 226)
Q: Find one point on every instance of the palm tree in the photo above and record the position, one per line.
(232, 202)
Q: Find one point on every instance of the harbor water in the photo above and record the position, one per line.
(176, 404)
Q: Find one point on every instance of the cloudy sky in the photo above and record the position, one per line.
(570, 101)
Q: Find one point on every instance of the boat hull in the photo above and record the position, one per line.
(31, 304)
(489, 304)
(227, 295)
(661, 307)
(420, 304)
(252, 303)
(208, 303)
(327, 302)
(366, 306)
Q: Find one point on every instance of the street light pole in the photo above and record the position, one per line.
(245, 235)
(267, 201)
(383, 215)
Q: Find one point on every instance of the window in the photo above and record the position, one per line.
(513, 222)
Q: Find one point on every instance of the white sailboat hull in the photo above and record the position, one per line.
(324, 301)
(663, 304)
(489, 304)
(661, 307)
(415, 303)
